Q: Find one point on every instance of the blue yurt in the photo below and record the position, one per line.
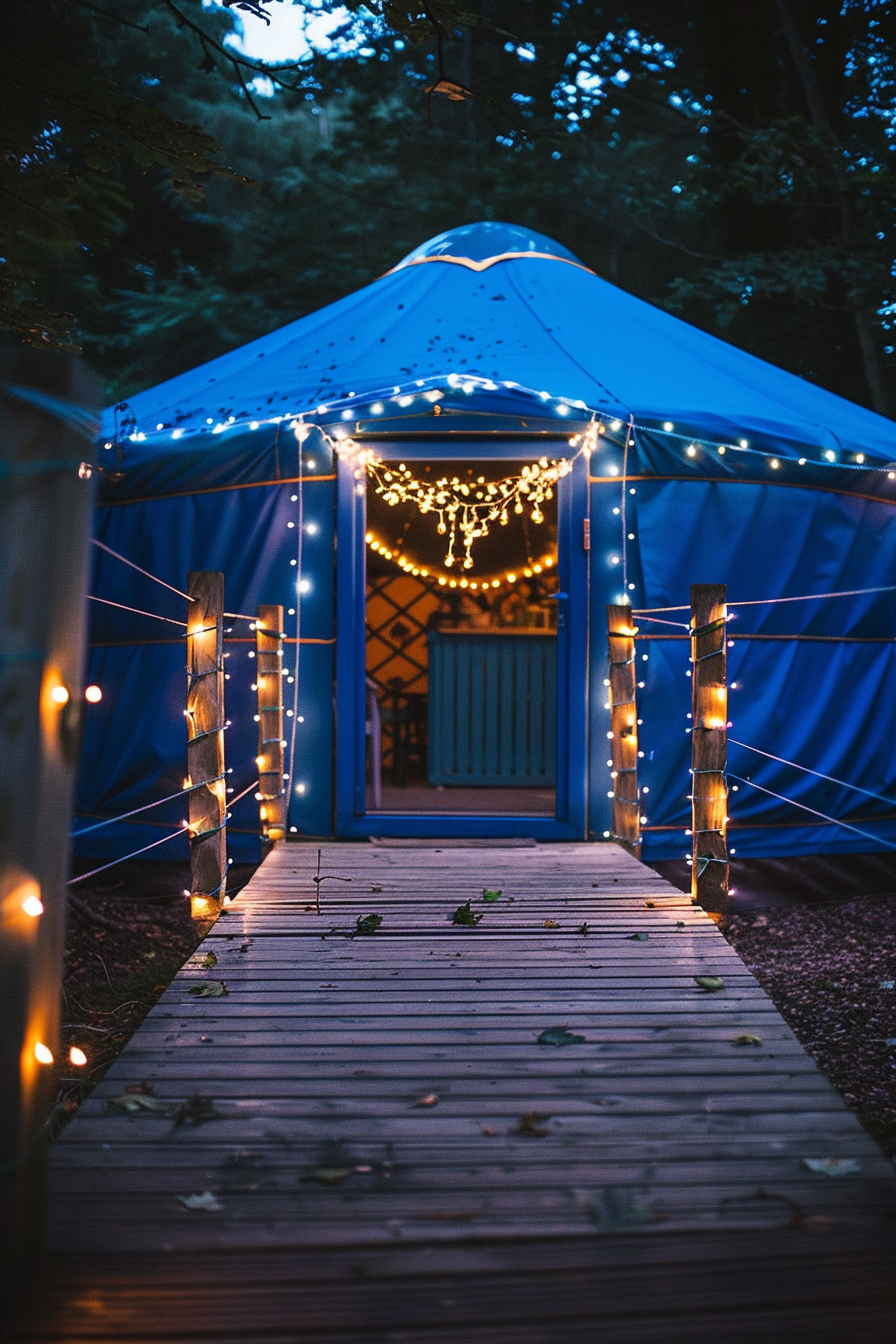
(444, 479)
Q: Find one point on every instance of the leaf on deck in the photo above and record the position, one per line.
(709, 982)
(133, 1103)
(327, 1175)
(833, 1166)
(747, 1040)
(559, 1036)
(464, 916)
(637, 937)
(550, 924)
(195, 1110)
(533, 1124)
(205, 1202)
(620, 1206)
(209, 989)
(209, 960)
(368, 923)
(490, 896)
(430, 1099)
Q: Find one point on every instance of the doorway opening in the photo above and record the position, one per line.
(460, 659)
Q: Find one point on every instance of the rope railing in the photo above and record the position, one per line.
(136, 610)
(817, 773)
(159, 802)
(145, 572)
(208, 800)
(709, 638)
(835, 821)
(124, 858)
(775, 601)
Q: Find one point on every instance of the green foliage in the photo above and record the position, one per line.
(465, 917)
(559, 1036)
(69, 134)
(709, 983)
(740, 176)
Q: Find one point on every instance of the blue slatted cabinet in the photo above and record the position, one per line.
(493, 708)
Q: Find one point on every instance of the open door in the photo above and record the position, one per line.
(461, 690)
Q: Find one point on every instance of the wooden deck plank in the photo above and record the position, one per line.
(656, 1125)
(807, 1287)
(312, 1011)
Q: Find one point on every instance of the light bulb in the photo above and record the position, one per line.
(33, 905)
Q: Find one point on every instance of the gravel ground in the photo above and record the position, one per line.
(831, 971)
(128, 933)
(830, 968)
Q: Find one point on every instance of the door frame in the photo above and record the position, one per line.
(570, 820)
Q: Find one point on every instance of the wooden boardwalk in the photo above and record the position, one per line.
(379, 1127)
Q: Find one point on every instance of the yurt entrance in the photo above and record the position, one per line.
(462, 726)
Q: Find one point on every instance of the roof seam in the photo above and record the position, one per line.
(491, 261)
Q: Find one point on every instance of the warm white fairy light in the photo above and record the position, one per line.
(465, 510)
(423, 395)
(485, 584)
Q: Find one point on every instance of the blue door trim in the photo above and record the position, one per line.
(572, 653)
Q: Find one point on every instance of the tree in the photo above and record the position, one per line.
(732, 163)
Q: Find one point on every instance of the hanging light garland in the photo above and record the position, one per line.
(464, 509)
(488, 584)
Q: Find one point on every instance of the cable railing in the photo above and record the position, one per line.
(206, 795)
(712, 781)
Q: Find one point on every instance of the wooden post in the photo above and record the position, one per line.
(709, 746)
(205, 743)
(45, 507)
(269, 679)
(624, 728)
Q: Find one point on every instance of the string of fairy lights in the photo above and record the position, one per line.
(416, 569)
(426, 394)
(609, 440)
(465, 509)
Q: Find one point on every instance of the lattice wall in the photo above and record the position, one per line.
(398, 609)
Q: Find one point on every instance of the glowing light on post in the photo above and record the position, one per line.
(32, 904)
(59, 695)
(623, 732)
(709, 809)
(77, 1057)
(42, 1053)
(93, 695)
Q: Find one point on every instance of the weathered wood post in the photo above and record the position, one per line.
(709, 746)
(45, 506)
(269, 679)
(205, 743)
(624, 728)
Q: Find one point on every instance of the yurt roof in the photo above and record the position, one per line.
(504, 320)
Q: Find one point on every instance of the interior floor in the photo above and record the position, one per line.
(421, 797)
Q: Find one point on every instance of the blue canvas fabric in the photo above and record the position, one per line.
(507, 329)
(543, 322)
